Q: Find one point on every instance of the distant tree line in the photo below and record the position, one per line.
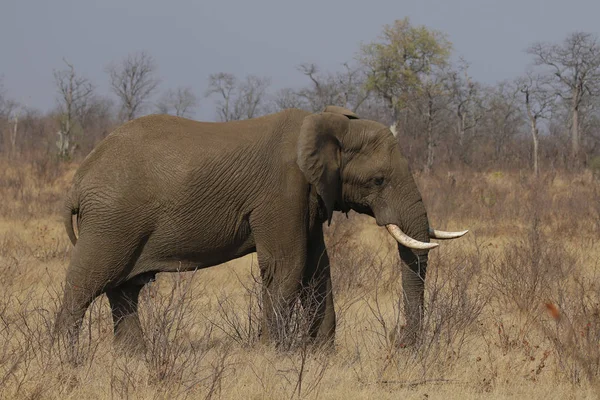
(547, 118)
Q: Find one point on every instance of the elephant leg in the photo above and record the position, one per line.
(76, 300)
(281, 250)
(281, 288)
(317, 294)
(81, 288)
(127, 328)
(96, 264)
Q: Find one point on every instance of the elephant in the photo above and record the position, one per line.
(163, 194)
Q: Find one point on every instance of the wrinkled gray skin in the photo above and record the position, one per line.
(163, 193)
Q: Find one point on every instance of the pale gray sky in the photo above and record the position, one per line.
(192, 39)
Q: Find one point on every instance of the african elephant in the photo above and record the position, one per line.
(164, 194)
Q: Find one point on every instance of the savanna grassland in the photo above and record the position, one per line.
(512, 308)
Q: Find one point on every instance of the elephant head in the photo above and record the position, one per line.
(357, 164)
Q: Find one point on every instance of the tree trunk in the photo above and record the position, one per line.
(575, 134)
(461, 136)
(13, 138)
(430, 148)
(395, 121)
(461, 130)
(535, 135)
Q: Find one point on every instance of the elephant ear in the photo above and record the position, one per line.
(341, 110)
(319, 155)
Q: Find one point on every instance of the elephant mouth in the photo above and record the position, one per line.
(361, 208)
(402, 237)
(411, 243)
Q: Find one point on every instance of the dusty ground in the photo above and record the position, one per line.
(489, 332)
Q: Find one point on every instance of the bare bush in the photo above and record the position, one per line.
(241, 324)
(511, 308)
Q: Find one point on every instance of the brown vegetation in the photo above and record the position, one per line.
(512, 309)
(548, 118)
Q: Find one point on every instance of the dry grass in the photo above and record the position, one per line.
(513, 309)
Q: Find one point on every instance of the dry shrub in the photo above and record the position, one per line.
(454, 303)
(511, 309)
(541, 270)
(358, 268)
(34, 188)
(31, 364)
(178, 345)
(499, 203)
(239, 319)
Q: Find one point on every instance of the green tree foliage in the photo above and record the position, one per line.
(399, 62)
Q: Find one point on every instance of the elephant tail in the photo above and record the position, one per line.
(71, 216)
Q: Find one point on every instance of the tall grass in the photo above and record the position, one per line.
(512, 309)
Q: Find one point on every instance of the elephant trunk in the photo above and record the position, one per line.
(414, 269)
(413, 250)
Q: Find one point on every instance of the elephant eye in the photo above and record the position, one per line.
(378, 181)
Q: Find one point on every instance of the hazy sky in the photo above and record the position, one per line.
(192, 39)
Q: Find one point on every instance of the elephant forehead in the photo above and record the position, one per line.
(368, 135)
(371, 161)
(379, 145)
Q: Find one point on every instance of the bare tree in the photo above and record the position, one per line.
(9, 112)
(575, 65)
(345, 89)
(539, 99)
(180, 102)
(504, 117)
(15, 129)
(224, 84)
(74, 93)
(431, 101)
(322, 93)
(288, 98)
(133, 81)
(238, 100)
(251, 95)
(4, 112)
(465, 103)
(353, 90)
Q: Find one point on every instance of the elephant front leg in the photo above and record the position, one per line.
(281, 247)
(281, 286)
(317, 293)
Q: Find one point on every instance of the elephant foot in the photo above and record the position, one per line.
(129, 338)
(64, 338)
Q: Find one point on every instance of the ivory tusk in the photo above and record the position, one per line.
(435, 234)
(406, 240)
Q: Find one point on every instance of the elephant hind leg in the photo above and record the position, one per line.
(127, 328)
(79, 293)
(97, 263)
